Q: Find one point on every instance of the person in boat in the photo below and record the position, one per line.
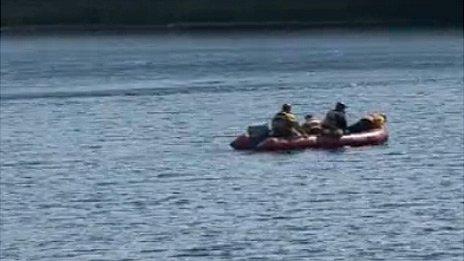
(312, 125)
(369, 122)
(285, 124)
(334, 123)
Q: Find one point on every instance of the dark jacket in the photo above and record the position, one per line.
(335, 119)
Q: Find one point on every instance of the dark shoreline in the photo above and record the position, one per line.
(224, 15)
(365, 25)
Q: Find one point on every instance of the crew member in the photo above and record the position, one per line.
(312, 126)
(335, 123)
(285, 123)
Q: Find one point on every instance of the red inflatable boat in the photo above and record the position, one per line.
(373, 137)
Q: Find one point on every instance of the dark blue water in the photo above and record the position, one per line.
(115, 146)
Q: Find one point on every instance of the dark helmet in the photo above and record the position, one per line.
(308, 116)
(286, 107)
(340, 106)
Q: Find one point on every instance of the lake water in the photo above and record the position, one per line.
(116, 146)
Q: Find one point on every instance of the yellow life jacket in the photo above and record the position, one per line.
(376, 119)
(379, 121)
(288, 117)
(283, 123)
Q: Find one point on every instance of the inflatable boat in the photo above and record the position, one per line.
(372, 137)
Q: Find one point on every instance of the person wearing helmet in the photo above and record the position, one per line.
(285, 123)
(335, 123)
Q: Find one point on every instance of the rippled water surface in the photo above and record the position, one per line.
(115, 146)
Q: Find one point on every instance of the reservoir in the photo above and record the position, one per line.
(115, 146)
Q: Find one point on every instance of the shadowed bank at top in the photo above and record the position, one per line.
(231, 13)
